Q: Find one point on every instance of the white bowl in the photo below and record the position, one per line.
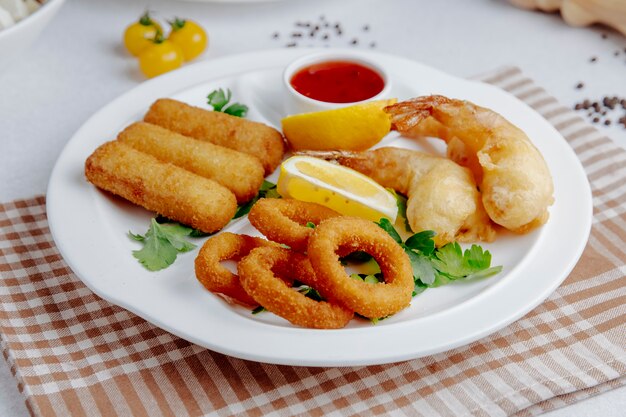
(17, 38)
(295, 102)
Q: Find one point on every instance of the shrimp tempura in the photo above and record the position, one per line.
(513, 177)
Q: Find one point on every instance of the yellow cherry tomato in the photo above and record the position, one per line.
(189, 36)
(161, 57)
(139, 35)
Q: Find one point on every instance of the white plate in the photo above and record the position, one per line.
(90, 229)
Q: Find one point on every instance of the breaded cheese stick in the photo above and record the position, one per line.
(159, 186)
(253, 138)
(239, 172)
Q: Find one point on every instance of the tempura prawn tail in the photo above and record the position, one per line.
(513, 177)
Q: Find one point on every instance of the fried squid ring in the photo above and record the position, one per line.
(265, 273)
(284, 221)
(339, 236)
(214, 276)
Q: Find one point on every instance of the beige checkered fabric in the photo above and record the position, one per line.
(73, 353)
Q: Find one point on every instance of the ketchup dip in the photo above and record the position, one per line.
(338, 82)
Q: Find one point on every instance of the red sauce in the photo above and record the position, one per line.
(338, 82)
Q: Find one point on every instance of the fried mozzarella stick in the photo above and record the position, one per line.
(253, 138)
(239, 172)
(159, 186)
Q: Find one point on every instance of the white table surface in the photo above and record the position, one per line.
(79, 64)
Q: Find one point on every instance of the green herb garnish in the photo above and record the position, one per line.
(258, 310)
(162, 243)
(434, 267)
(267, 190)
(218, 99)
(310, 293)
(368, 278)
(401, 201)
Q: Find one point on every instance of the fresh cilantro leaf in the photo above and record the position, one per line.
(218, 99)
(194, 232)
(258, 310)
(138, 238)
(310, 225)
(449, 260)
(156, 254)
(401, 201)
(375, 321)
(267, 186)
(162, 243)
(272, 193)
(434, 267)
(422, 242)
(175, 233)
(244, 209)
(371, 265)
(422, 267)
(237, 109)
(368, 278)
(386, 225)
(476, 258)
(440, 280)
(473, 263)
(485, 273)
(419, 287)
(267, 190)
(371, 279)
(310, 293)
(199, 233)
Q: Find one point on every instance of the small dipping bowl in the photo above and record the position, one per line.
(351, 68)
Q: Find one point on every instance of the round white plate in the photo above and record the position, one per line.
(90, 229)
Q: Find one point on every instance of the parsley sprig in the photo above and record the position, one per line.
(267, 190)
(162, 244)
(165, 238)
(434, 267)
(401, 202)
(218, 99)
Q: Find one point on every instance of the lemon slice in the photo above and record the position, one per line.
(342, 189)
(352, 128)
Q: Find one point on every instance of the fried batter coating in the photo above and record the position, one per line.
(159, 186)
(339, 236)
(442, 195)
(239, 172)
(284, 220)
(265, 274)
(513, 177)
(253, 138)
(214, 276)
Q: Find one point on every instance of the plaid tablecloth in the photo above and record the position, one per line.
(73, 353)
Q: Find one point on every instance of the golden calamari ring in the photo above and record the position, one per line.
(284, 220)
(340, 236)
(265, 275)
(214, 276)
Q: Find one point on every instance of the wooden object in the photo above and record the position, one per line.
(583, 12)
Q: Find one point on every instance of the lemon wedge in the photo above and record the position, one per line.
(352, 128)
(337, 187)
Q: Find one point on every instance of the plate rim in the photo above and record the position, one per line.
(188, 73)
